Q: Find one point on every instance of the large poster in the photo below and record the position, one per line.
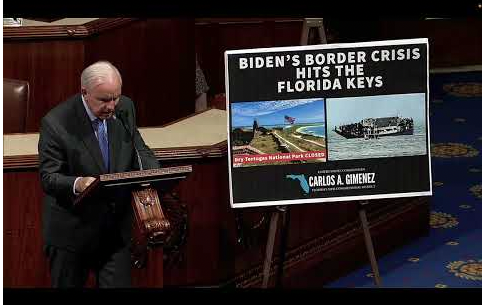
(334, 122)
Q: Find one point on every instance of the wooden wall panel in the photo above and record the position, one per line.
(213, 37)
(287, 33)
(24, 264)
(52, 67)
(125, 48)
(208, 253)
(156, 59)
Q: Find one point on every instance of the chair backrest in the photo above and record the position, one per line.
(16, 95)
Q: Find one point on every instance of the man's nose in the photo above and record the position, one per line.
(111, 104)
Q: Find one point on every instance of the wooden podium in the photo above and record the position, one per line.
(152, 227)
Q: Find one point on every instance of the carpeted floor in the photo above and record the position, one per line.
(451, 255)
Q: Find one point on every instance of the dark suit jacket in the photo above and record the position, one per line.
(68, 148)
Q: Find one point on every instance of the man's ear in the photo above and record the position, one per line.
(83, 92)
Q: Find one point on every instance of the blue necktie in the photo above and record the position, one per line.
(103, 144)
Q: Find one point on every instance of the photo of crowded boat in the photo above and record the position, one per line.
(373, 128)
(381, 126)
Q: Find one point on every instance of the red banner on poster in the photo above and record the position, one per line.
(280, 157)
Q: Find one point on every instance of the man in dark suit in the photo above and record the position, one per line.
(90, 134)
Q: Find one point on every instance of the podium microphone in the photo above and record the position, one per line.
(121, 115)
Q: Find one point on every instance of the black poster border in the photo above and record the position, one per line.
(420, 163)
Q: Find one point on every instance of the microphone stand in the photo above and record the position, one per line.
(131, 133)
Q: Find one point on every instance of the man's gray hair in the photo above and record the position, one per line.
(98, 73)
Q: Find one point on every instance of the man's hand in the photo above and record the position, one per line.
(83, 183)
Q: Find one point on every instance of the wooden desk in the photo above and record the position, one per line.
(224, 247)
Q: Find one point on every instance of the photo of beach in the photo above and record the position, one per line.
(376, 126)
(278, 132)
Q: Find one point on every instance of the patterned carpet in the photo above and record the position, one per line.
(451, 255)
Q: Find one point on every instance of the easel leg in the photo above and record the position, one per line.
(285, 219)
(269, 247)
(315, 24)
(369, 245)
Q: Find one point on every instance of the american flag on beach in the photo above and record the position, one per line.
(289, 119)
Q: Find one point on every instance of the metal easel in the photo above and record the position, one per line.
(313, 32)
(273, 227)
(368, 242)
(311, 26)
